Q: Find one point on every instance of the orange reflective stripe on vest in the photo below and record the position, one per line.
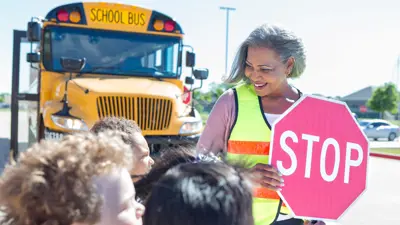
(254, 148)
(248, 147)
(249, 142)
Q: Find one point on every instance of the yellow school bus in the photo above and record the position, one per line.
(92, 60)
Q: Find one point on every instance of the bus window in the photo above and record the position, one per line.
(112, 52)
(158, 59)
(47, 50)
(175, 57)
(165, 59)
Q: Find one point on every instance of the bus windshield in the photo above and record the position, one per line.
(112, 52)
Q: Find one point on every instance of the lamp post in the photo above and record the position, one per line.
(228, 9)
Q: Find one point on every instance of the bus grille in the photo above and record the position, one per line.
(151, 114)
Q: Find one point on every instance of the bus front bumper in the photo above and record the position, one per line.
(167, 140)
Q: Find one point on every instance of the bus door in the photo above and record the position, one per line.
(24, 94)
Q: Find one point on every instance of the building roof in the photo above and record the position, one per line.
(360, 95)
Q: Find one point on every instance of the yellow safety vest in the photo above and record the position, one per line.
(249, 140)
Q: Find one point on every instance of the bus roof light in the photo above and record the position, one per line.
(62, 15)
(75, 17)
(169, 25)
(158, 25)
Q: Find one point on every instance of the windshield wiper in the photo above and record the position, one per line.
(167, 73)
(97, 68)
(149, 72)
(155, 73)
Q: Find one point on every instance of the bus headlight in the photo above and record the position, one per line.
(191, 127)
(69, 123)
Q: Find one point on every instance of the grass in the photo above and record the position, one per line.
(395, 122)
(390, 151)
(9, 110)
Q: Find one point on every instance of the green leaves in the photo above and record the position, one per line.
(204, 100)
(385, 98)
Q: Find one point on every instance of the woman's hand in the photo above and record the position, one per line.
(267, 176)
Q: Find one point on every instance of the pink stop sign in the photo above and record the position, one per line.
(322, 154)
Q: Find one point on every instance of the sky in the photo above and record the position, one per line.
(349, 44)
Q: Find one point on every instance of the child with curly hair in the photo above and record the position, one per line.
(82, 179)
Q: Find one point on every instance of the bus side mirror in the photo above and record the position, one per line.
(33, 57)
(72, 65)
(34, 32)
(189, 80)
(190, 59)
(200, 74)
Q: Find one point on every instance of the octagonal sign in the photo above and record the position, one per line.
(322, 154)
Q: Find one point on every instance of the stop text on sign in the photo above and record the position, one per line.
(327, 143)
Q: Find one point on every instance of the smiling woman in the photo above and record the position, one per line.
(239, 125)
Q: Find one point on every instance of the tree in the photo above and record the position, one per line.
(385, 98)
(217, 89)
(204, 101)
(1, 98)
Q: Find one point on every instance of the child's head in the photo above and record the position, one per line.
(119, 204)
(200, 193)
(167, 159)
(52, 183)
(135, 139)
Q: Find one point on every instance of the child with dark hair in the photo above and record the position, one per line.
(135, 139)
(167, 159)
(200, 193)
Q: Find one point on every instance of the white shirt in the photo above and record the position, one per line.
(271, 117)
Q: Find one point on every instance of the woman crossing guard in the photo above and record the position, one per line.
(239, 126)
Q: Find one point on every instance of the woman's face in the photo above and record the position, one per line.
(266, 71)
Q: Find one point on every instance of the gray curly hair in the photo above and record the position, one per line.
(282, 41)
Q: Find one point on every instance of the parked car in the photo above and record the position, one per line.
(355, 116)
(375, 129)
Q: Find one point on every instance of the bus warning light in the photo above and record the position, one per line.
(62, 15)
(75, 17)
(158, 25)
(169, 26)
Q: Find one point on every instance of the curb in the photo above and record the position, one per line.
(385, 156)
